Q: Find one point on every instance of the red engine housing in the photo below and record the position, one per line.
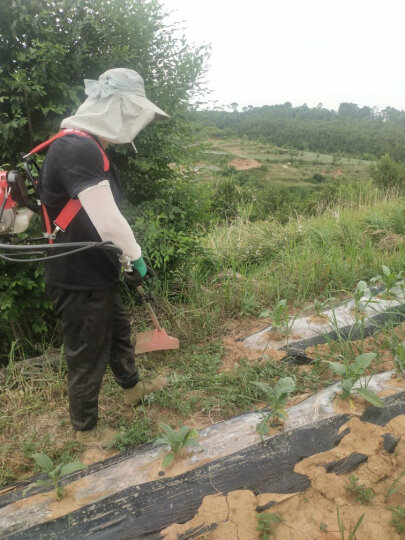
(5, 191)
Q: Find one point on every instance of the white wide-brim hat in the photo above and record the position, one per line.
(117, 108)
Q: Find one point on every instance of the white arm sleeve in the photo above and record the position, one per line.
(98, 202)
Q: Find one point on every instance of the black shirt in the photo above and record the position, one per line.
(74, 163)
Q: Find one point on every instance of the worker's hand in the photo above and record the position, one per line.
(140, 272)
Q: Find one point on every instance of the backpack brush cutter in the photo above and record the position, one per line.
(17, 189)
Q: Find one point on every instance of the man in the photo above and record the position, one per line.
(84, 287)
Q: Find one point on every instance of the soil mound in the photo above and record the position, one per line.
(244, 164)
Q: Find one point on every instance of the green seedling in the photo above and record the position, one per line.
(279, 315)
(319, 306)
(399, 358)
(177, 440)
(398, 518)
(389, 279)
(267, 524)
(351, 372)
(323, 527)
(360, 492)
(54, 474)
(350, 532)
(276, 398)
(394, 486)
(361, 297)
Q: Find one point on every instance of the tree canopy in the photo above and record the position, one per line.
(352, 130)
(47, 48)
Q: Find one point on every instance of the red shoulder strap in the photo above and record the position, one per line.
(72, 207)
(69, 131)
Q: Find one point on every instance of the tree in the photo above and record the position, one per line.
(47, 48)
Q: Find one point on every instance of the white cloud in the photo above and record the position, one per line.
(329, 51)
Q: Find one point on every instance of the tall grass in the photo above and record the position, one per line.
(249, 266)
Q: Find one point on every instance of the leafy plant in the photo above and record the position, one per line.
(177, 440)
(320, 306)
(360, 492)
(351, 372)
(276, 398)
(279, 315)
(267, 523)
(399, 358)
(398, 518)
(342, 527)
(361, 296)
(389, 279)
(55, 474)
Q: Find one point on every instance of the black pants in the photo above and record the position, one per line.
(96, 332)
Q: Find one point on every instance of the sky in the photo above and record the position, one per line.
(266, 52)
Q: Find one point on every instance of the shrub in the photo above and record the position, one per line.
(388, 173)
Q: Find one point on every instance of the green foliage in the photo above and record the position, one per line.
(398, 518)
(41, 75)
(390, 279)
(47, 48)
(359, 492)
(267, 523)
(231, 195)
(276, 398)
(396, 484)
(169, 226)
(279, 314)
(399, 357)
(55, 474)
(134, 432)
(351, 372)
(25, 311)
(321, 305)
(351, 532)
(388, 173)
(361, 297)
(177, 440)
(353, 131)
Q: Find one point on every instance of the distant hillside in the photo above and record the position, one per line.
(361, 132)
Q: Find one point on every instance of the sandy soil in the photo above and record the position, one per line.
(241, 164)
(313, 514)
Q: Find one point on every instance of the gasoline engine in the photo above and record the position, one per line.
(19, 201)
(15, 215)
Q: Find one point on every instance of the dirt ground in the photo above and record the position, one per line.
(241, 164)
(313, 514)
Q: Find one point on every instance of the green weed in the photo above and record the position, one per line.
(55, 474)
(323, 527)
(394, 486)
(351, 533)
(267, 523)
(320, 306)
(177, 440)
(359, 492)
(279, 315)
(398, 518)
(399, 358)
(136, 431)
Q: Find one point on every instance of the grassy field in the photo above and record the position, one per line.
(279, 165)
(245, 267)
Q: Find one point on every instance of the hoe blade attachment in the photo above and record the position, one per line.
(155, 340)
